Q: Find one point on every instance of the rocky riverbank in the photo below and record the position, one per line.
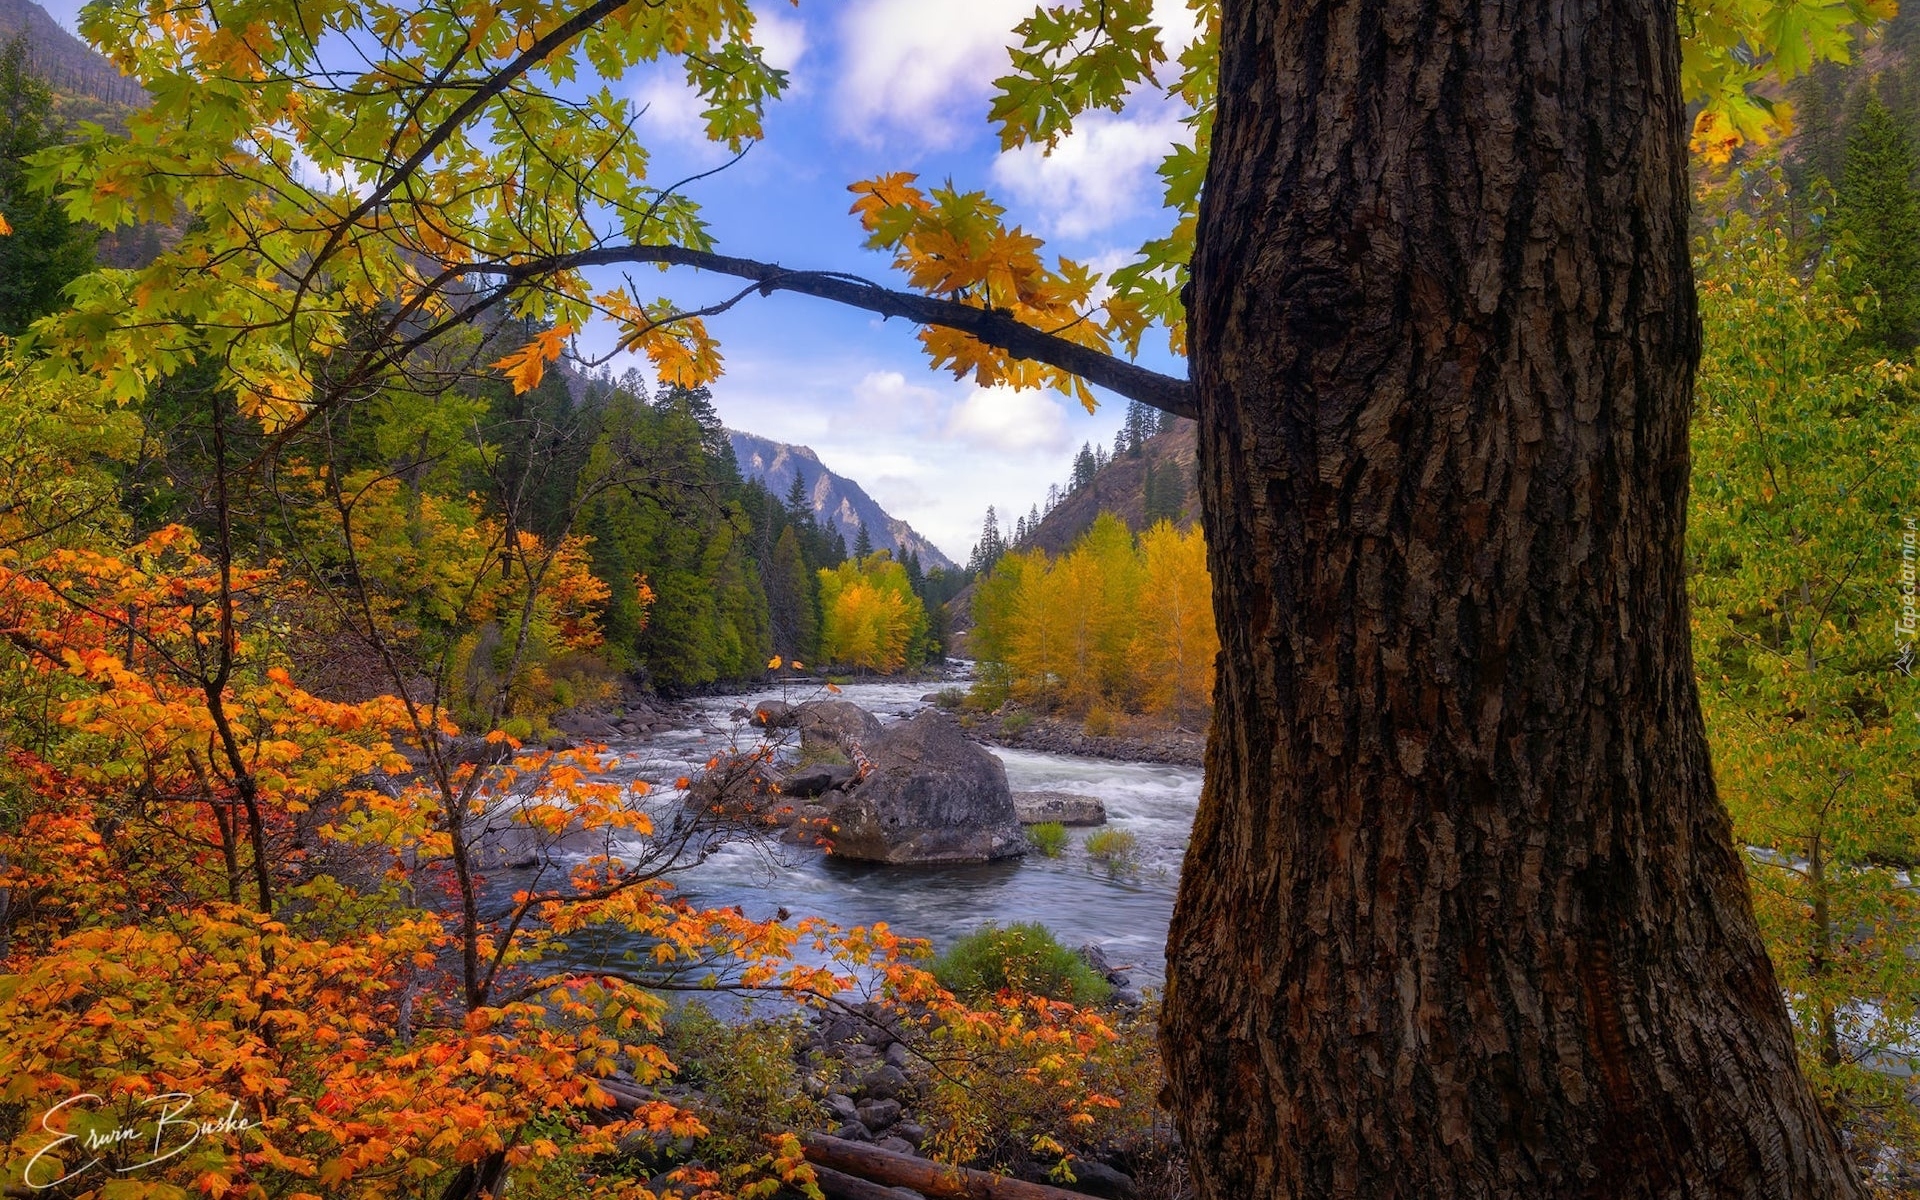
(1020, 729)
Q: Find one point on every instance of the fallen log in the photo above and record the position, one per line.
(939, 1181)
(852, 1187)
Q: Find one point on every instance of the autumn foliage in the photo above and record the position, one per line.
(1115, 622)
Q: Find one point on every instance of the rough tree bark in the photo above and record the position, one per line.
(1461, 914)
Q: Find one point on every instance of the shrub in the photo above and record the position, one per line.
(1118, 850)
(1024, 958)
(1016, 723)
(1049, 838)
(949, 698)
(1100, 722)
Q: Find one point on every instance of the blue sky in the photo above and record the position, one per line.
(888, 85)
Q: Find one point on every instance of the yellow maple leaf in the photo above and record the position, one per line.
(5, 228)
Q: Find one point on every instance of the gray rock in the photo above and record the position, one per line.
(804, 783)
(933, 797)
(909, 1132)
(834, 725)
(899, 1055)
(1065, 808)
(853, 1131)
(885, 1084)
(842, 1108)
(773, 714)
(740, 792)
(878, 1114)
(897, 1145)
(1095, 1178)
(585, 725)
(811, 823)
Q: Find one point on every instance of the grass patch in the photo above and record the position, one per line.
(1049, 838)
(1023, 958)
(1118, 850)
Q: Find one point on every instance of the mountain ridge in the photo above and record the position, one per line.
(834, 496)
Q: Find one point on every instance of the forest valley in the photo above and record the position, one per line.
(310, 525)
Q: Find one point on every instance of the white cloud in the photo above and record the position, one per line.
(922, 69)
(782, 37)
(672, 107)
(1179, 26)
(1016, 422)
(1096, 177)
(884, 403)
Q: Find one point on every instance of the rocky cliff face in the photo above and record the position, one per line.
(834, 496)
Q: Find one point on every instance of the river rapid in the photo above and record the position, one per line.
(1081, 901)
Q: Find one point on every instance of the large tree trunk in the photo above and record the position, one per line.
(1461, 915)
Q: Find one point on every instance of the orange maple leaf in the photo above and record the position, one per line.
(526, 366)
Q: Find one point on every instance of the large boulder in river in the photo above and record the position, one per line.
(743, 792)
(1062, 808)
(933, 797)
(834, 725)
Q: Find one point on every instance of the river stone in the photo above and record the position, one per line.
(914, 1135)
(1095, 1178)
(585, 725)
(842, 1108)
(773, 714)
(1064, 808)
(740, 791)
(853, 1131)
(897, 1145)
(878, 1114)
(933, 797)
(804, 783)
(834, 725)
(886, 1083)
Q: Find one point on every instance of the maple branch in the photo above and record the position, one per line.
(1164, 392)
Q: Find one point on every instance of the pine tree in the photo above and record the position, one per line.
(1084, 467)
(798, 505)
(862, 543)
(1878, 215)
(1053, 496)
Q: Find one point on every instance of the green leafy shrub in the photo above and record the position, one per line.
(1049, 838)
(1016, 723)
(949, 698)
(1025, 957)
(1118, 850)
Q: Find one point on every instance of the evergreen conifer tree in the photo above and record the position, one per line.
(45, 251)
(1878, 215)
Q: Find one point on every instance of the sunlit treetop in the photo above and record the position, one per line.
(365, 178)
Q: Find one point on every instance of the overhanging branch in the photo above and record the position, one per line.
(1164, 392)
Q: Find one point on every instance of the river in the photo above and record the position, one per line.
(1075, 897)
